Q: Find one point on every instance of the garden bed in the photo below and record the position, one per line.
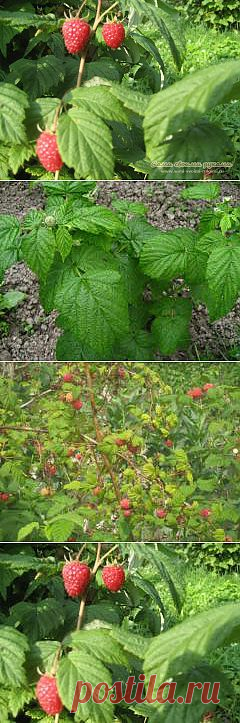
(32, 334)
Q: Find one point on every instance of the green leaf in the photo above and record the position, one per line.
(39, 619)
(13, 648)
(131, 99)
(150, 46)
(41, 112)
(64, 241)
(69, 348)
(18, 154)
(154, 14)
(9, 242)
(223, 275)
(95, 308)
(42, 655)
(13, 104)
(37, 76)
(38, 249)
(206, 190)
(166, 255)
(6, 35)
(27, 530)
(82, 666)
(95, 219)
(170, 330)
(62, 526)
(85, 144)
(98, 642)
(183, 103)
(99, 101)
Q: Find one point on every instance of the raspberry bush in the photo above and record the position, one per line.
(97, 82)
(117, 282)
(64, 476)
(49, 641)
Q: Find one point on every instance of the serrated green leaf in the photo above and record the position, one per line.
(64, 242)
(98, 642)
(98, 100)
(85, 144)
(38, 620)
(37, 76)
(206, 190)
(95, 219)
(6, 35)
(13, 104)
(27, 530)
(9, 241)
(13, 649)
(133, 100)
(95, 308)
(166, 255)
(18, 155)
(41, 112)
(81, 666)
(38, 249)
(223, 275)
(170, 330)
(183, 103)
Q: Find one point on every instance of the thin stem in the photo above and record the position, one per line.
(105, 13)
(81, 550)
(56, 175)
(57, 717)
(107, 554)
(98, 558)
(81, 67)
(80, 9)
(81, 612)
(23, 429)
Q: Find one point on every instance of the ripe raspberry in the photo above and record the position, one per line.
(71, 539)
(76, 577)
(121, 372)
(205, 512)
(77, 404)
(47, 695)
(195, 393)
(125, 504)
(113, 34)
(68, 377)
(4, 496)
(97, 491)
(50, 469)
(78, 456)
(207, 387)
(76, 33)
(113, 577)
(133, 449)
(70, 452)
(160, 512)
(168, 443)
(48, 153)
(127, 513)
(120, 442)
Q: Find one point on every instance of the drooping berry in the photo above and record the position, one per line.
(206, 387)
(168, 443)
(113, 577)
(76, 33)
(76, 577)
(120, 442)
(195, 393)
(47, 695)
(133, 449)
(4, 496)
(125, 503)
(161, 513)
(70, 452)
(50, 469)
(77, 404)
(127, 513)
(48, 153)
(78, 456)
(205, 512)
(68, 377)
(113, 34)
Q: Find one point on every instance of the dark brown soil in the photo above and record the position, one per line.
(32, 335)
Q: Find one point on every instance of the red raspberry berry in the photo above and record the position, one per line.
(168, 443)
(97, 491)
(125, 504)
(113, 34)
(113, 577)
(77, 404)
(127, 513)
(48, 153)
(121, 372)
(207, 387)
(71, 539)
(133, 449)
(76, 33)
(47, 695)
(70, 452)
(76, 577)
(205, 512)
(120, 442)
(4, 496)
(195, 393)
(50, 469)
(78, 456)
(68, 377)
(160, 512)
